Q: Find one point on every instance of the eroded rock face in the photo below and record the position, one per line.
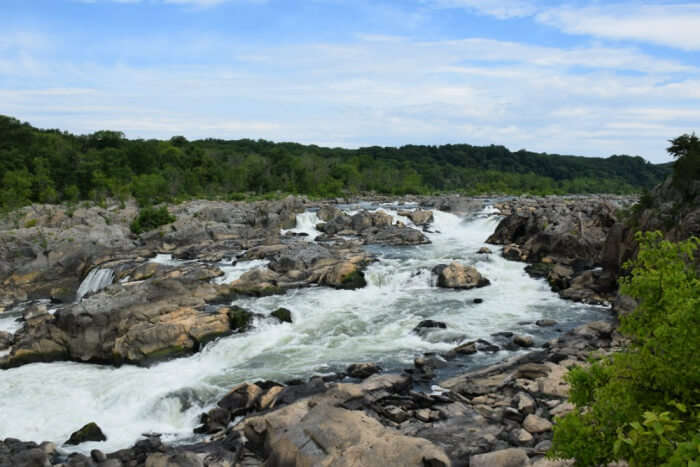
(459, 276)
(563, 239)
(130, 323)
(371, 227)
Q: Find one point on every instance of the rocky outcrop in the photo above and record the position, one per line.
(562, 239)
(371, 227)
(127, 323)
(458, 276)
(46, 250)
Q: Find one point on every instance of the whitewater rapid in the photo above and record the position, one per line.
(330, 329)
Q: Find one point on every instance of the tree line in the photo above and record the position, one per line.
(50, 166)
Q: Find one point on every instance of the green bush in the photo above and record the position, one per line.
(150, 218)
(643, 404)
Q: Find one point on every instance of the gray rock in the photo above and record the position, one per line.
(535, 424)
(513, 457)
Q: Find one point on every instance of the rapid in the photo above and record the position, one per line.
(330, 329)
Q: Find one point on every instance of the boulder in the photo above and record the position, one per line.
(241, 399)
(283, 315)
(319, 433)
(419, 216)
(523, 341)
(90, 432)
(459, 276)
(535, 424)
(362, 370)
(512, 457)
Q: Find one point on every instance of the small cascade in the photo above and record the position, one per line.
(233, 272)
(306, 224)
(96, 280)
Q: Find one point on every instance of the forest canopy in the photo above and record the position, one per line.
(50, 166)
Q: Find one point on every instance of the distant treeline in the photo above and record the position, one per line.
(52, 166)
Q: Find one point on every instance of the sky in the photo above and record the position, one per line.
(591, 78)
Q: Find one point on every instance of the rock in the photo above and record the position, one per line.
(320, 433)
(458, 276)
(466, 348)
(512, 457)
(241, 399)
(484, 250)
(478, 300)
(428, 324)
(535, 424)
(346, 275)
(239, 318)
(181, 459)
(521, 437)
(395, 414)
(524, 403)
(532, 371)
(5, 340)
(90, 432)
(562, 409)
(283, 315)
(418, 217)
(523, 341)
(98, 456)
(362, 370)
(559, 277)
(545, 323)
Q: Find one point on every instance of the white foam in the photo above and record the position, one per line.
(233, 272)
(96, 280)
(306, 224)
(166, 259)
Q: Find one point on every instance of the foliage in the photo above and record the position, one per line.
(686, 150)
(53, 166)
(643, 404)
(150, 218)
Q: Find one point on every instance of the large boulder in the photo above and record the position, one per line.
(458, 276)
(320, 433)
(90, 432)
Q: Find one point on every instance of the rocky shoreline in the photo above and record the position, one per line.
(150, 311)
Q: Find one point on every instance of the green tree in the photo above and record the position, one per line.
(686, 150)
(643, 404)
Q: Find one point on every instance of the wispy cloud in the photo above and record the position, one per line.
(674, 25)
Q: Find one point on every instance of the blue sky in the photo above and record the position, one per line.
(590, 78)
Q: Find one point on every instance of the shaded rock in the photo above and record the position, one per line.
(484, 250)
(362, 370)
(427, 325)
(346, 275)
(543, 323)
(240, 319)
(459, 276)
(283, 315)
(90, 432)
(512, 457)
(241, 399)
(5, 340)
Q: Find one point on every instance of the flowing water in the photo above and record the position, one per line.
(330, 329)
(96, 280)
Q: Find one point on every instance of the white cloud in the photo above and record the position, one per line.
(503, 9)
(375, 90)
(673, 25)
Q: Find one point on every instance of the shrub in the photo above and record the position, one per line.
(643, 404)
(150, 218)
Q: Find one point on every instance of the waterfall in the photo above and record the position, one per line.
(96, 280)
